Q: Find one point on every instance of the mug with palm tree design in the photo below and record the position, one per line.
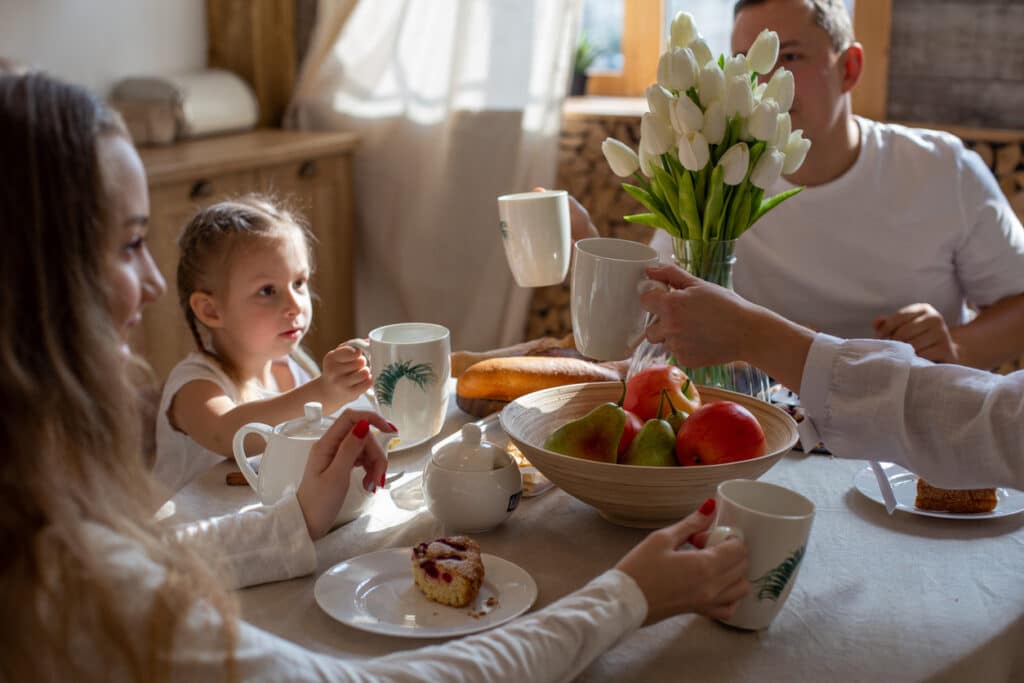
(410, 364)
(775, 523)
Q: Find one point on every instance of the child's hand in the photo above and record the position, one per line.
(345, 375)
(674, 581)
(325, 483)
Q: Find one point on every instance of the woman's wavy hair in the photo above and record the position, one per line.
(70, 464)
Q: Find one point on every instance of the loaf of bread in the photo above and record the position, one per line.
(506, 379)
(544, 346)
(954, 500)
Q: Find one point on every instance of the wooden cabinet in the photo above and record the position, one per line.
(312, 171)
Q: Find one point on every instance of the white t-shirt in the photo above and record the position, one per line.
(179, 458)
(955, 426)
(917, 219)
(269, 543)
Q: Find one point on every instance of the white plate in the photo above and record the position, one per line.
(406, 445)
(375, 592)
(904, 485)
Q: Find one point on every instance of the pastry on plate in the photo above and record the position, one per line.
(448, 570)
(954, 500)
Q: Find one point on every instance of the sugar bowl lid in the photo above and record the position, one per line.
(470, 453)
(311, 425)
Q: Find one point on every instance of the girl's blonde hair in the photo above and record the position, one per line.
(70, 429)
(210, 240)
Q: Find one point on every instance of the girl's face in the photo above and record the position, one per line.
(134, 279)
(266, 308)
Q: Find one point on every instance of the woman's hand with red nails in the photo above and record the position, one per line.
(325, 482)
(677, 581)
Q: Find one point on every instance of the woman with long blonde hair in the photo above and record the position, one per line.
(92, 587)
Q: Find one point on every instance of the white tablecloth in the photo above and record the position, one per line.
(878, 598)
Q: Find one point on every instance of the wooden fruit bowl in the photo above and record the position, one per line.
(631, 495)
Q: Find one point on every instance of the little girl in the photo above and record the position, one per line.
(243, 283)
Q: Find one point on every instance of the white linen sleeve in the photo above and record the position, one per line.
(876, 400)
(257, 545)
(990, 255)
(552, 644)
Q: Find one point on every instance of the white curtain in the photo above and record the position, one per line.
(455, 102)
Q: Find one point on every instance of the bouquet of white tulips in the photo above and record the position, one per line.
(713, 141)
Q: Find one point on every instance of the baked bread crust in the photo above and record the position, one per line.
(506, 379)
(448, 570)
(966, 501)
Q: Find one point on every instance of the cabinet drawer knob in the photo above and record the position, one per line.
(201, 189)
(307, 169)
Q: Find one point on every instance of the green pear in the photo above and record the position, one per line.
(675, 417)
(654, 446)
(595, 436)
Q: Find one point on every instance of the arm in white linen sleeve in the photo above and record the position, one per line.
(552, 644)
(876, 400)
(261, 544)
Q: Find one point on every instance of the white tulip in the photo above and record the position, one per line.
(736, 66)
(796, 151)
(734, 163)
(684, 31)
(623, 160)
(701, 52)
(647, 162)
(686, 116)
(781, 88)
(660, 101)
(764, 52)
(738, 97)
(711, 84)
(714, 123)
(656, 136)
(783, 128)
(677, 70)
(768, 169)
(764, 120)
(694, 152)
(759, 91)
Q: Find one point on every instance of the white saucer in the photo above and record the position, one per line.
(904, 485)
(375, 592)
(404, 446)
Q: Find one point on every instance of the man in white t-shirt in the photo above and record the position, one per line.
(898, 229)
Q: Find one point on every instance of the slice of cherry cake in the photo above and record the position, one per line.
(448, 570)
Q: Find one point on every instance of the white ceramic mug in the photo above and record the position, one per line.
(607, 318)
(775, 523)
(535, 233)
(410, 364)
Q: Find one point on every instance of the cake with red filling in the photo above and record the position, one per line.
(448, 570)
(954, 500)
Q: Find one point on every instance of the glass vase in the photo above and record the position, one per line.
(712, 261)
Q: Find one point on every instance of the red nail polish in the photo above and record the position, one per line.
(361, 429)
(382, 475)
(393, 427)
(707, 507)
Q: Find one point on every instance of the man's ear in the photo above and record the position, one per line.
(204, 306)
(852, 64)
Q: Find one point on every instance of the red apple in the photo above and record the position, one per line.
(643, 392)
(719, 432)
(633, 425)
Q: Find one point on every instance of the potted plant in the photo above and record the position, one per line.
(585, 54)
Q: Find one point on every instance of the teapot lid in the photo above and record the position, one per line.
(469, 453)
(311, 425)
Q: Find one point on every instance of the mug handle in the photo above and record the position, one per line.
(238, 447)
(364, 346)
(720, 533)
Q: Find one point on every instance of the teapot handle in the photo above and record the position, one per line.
(238, 446)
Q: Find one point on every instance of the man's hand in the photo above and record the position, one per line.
(921, 326)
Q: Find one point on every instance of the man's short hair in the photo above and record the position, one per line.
(830, 15)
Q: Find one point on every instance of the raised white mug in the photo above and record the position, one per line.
(607, 318)
(536, 236)
(775, 524)
(410, 364)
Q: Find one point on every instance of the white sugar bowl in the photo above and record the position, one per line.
(471, 485)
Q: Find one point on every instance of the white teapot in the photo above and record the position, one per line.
(471, 485)
(284, 460)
